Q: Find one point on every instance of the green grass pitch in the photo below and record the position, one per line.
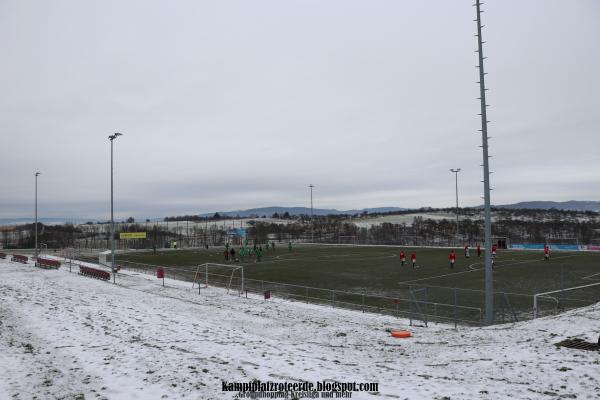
(376, 270)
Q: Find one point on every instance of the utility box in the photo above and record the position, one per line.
(160, 273)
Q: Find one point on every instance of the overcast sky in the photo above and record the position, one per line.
(238, 104)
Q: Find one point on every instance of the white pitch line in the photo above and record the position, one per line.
(437, 276)
(590, 276)
(472, 265)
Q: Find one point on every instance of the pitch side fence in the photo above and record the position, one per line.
(413, 302)
(421, 303)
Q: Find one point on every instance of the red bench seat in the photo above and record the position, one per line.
(94, 273)
(47, 263)
(19, 258)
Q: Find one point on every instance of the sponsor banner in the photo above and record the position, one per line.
(591, 247)
(132, 235)
(540, 246)
(564, 246)
(527, 246)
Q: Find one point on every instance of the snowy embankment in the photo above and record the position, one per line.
(63, 336)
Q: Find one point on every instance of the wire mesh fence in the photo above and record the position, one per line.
(423, 304)
(412, 302)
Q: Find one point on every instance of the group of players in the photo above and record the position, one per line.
(467, 254)
(245, 250)
(257, 251)
(451, 256)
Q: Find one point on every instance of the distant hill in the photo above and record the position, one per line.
(572, 205)
(46, 221)
(269, 211)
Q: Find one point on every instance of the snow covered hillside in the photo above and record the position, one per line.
(67, 336)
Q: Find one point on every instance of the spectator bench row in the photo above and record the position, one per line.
(53, 264)
(19, 258)
(40, 262)
(94, 273)
(47, 263)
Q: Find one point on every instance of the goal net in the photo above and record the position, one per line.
(226, 276)
(105, 258)
(566, 298)
(68, 253)
(501, 242)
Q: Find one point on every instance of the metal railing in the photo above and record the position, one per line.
(414, 309)
(425, 303)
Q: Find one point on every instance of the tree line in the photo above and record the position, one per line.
(519, 226)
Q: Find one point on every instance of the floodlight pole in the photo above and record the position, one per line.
(456, 171)
(489, 279)
(112, 215)
(312, 224)
(36, 220)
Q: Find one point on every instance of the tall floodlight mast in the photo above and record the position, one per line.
(312, 224)
(112, 216)
(489, 279)
(456, 171)
(36, 221)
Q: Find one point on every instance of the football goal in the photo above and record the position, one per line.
(105, 258)
(585, 295)
(502, 242)
(227, 276)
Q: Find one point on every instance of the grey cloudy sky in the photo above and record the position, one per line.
(239, 104)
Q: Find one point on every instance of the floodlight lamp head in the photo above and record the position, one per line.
(38, 173)
(113, 137)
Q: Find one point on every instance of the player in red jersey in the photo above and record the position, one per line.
(413, 258)
(452, 258)
(478, 250)
(402, 258)
(546, 252)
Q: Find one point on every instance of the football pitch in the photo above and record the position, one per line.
(376, 271)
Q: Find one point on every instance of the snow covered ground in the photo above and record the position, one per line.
(407, 219)
(67, 336)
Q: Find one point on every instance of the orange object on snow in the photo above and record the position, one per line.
(401, 334)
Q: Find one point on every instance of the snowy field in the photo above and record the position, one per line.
(64, 336)
(406, 219)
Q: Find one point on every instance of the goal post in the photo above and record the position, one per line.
(547, 295)
(221, 275)
(104, 257)
(502, 242)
